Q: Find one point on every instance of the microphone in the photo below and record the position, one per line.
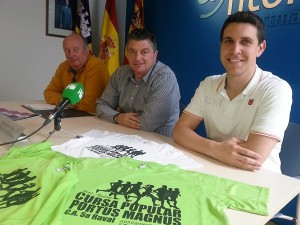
(72, 94)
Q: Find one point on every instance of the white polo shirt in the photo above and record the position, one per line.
(262, 108)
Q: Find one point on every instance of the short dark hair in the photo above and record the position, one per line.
(246, 17)
(141, 35)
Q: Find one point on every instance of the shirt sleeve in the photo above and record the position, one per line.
(107, 104)
(274, 111)
(194, 108)
(53, 91)
(163, 101)
(234, 194)
(95, 78)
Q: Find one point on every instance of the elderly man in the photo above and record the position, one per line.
(79, 66)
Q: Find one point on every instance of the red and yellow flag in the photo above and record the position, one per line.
(83, 21)
(109, 41)
(136, 22)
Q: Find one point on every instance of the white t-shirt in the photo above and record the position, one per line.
(104, 144)
(262, 108)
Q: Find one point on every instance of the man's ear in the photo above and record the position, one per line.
(261, 48)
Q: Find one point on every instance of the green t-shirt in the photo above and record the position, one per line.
(34, 184)
(127, 191)
(42, 187)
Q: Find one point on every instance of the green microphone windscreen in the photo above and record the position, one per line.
(73, 92)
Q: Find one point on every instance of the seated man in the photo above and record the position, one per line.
(144, 94)
(245, 110)
(80, 66)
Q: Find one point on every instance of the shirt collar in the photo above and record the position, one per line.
(257, 77)
(249, 88)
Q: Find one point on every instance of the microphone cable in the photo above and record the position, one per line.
(21, 139)
(73, 93)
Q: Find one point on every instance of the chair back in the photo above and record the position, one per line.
(181, 108)
(290, 151)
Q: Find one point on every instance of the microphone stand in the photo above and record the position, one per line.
(57, 127)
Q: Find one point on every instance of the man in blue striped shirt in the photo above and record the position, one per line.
(144, 94)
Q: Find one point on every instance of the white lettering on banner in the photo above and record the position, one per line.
(251, 6)
(274, 20)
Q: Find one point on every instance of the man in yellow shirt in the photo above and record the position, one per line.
(80, 66)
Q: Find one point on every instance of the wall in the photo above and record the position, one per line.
(29, 58)
(190, 44)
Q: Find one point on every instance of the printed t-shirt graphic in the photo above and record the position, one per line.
(18, 187)
(127, 191)
(34, 182)
(104, 144)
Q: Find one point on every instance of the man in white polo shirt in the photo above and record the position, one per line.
(245, 110)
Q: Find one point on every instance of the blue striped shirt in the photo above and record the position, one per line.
(156, 98)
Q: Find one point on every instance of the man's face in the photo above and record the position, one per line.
(140, 57)
(75, 52)
(240, 48)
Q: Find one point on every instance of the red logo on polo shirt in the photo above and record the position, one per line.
(250, 101)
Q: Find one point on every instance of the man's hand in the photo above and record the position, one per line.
(231, 153)
(130, 120)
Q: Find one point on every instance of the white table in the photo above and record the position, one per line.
(282, 188)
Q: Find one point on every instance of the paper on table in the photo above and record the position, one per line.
(16, 115)
(41, 106)
(21, 137)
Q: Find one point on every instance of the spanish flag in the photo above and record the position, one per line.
(109, 42)
(83, 21)
(136, 22)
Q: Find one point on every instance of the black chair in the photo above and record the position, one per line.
(181, 108)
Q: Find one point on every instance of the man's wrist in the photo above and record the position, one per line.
(115, 118)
